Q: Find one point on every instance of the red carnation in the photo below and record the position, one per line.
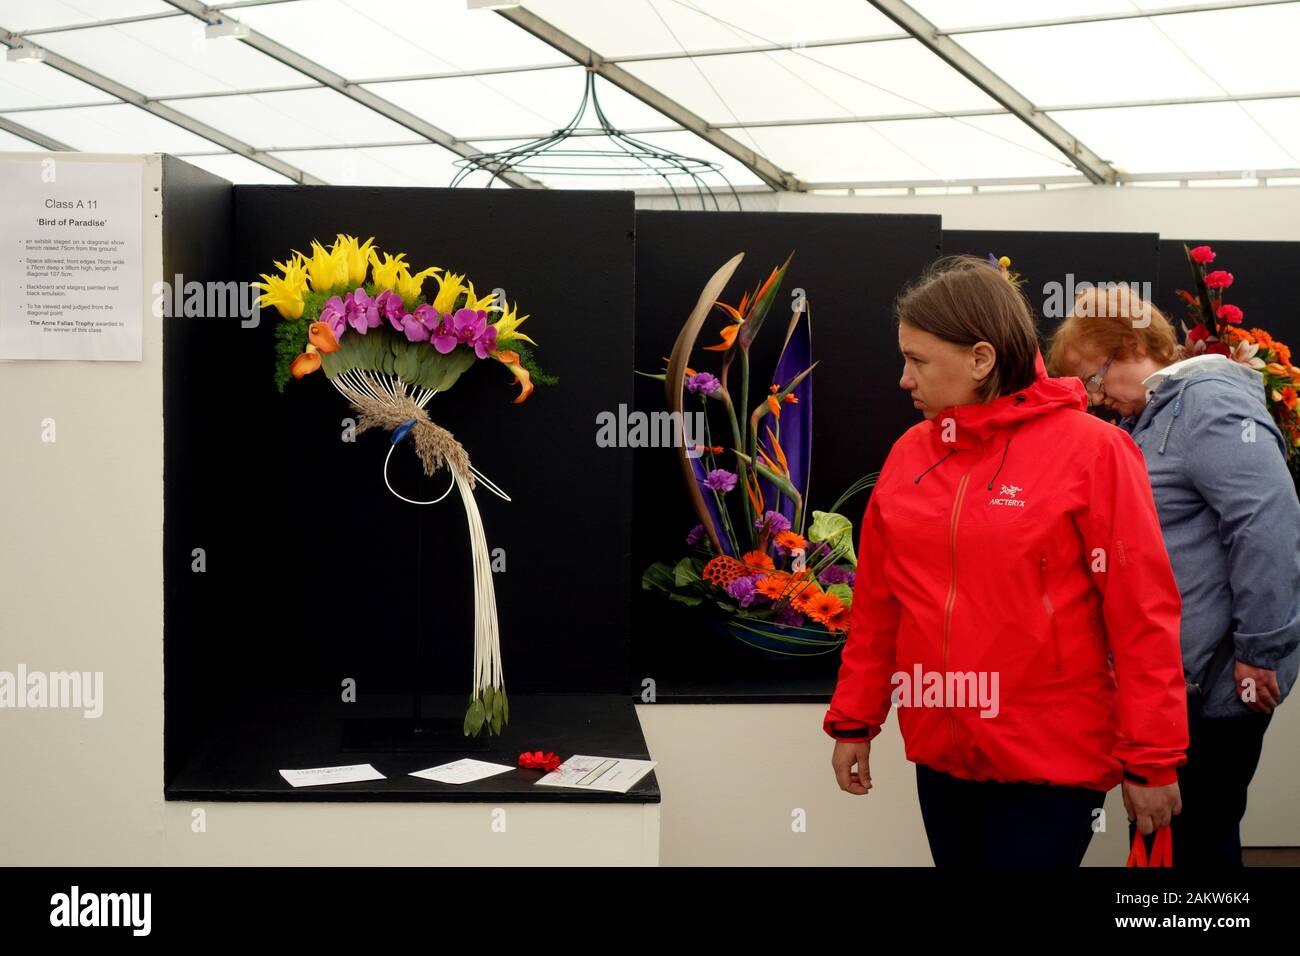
(1202, 254)
(1229, 313)
(1218, 279)
(1198, 333)
(1217, 348)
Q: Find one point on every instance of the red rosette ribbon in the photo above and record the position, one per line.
(537, 760)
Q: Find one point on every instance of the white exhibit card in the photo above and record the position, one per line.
(466, 770)
(598, 773)
(317, 776)
(71, 279)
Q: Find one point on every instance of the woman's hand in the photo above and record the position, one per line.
(1151, 807)
(1264, 684)
(847, 754)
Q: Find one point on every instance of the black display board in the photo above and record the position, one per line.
(1053, 264)
(850, 266)
(315, 573)
(1263, 283)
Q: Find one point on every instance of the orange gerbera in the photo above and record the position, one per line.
(1289, 397)
(791, 541)
(803, 592)
(758, 559)
(822, 607)
(839, 621)
(774, 585)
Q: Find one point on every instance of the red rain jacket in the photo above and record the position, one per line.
(1017, 541)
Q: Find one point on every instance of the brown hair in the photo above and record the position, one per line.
(1115, 321)
(965, 300)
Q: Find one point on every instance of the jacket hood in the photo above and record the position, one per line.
(1218, 369)
(977, 423)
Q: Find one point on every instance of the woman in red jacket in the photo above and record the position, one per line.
(1013, 596)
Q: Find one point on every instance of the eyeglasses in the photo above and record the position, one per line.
(1093, 383)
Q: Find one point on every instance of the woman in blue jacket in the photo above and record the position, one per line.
(1231, 522)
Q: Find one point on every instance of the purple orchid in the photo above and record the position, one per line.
(361, 311)
(332, 314)
(467, 327)
(390, 306)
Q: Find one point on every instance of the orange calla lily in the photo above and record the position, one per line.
(511, 361)
(305, 364)
(322, 336)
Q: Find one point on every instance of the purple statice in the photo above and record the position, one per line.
(702, 384)
(775, 522)
(744, 591)
(817, 550)
(835, 574)
(720, 480)
(695, 535)
(788, 617)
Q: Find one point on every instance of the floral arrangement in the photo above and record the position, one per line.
(1003, 264)
(755, 556)
(336, 319)
(363, 318)
(1217, 328)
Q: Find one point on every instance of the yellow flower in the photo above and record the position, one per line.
(508, 324)
(409, 286)
(285, 291)
(449, 287)
(384, 273)
(327, 268)
(476, 302)
(356, 256)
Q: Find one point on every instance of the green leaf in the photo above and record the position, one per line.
(475, 716)
(843, 592)
(489, 699)
(689, 600)
(837, 531)
(684, 574)
(658, 575)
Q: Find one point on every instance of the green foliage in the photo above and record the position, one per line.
(491, 708)
(837, 531)
(290, 342)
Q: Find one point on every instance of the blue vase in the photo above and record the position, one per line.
(782, 642)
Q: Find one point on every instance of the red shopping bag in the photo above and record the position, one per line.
(1162, 849)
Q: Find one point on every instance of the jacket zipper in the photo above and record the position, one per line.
(1051, 611)
(952, 597)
